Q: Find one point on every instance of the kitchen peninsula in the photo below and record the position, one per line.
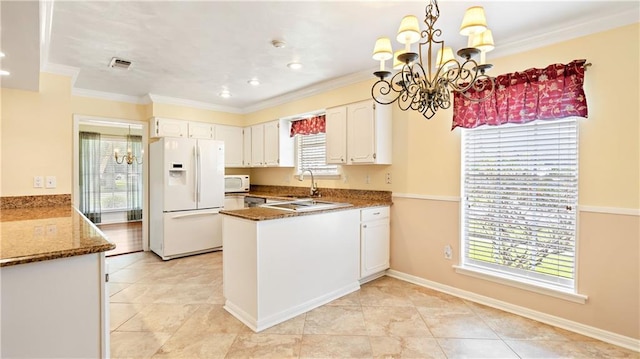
(279, 263)
(52, 266)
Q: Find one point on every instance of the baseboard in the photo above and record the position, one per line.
(593, 332)
(258, 325)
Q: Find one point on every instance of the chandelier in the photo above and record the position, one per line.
(130, 158)
(427, 87)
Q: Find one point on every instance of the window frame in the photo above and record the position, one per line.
(499, 274)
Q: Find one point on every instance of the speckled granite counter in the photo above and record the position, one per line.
(357, 199)
(45, 233)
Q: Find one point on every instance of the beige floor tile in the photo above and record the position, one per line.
(293, 326)
(137, 345)
(511, 326)
(598, 349)
(190, 294)
(384, 296)
(166, 318)
(126, 275)
(476, 348)
(121, 261)
(546, 349)
(350, 299)
(394, 321)
(194, 345)
(252, 345)
(335, 320)
(424, 297)
(335, 346)
(445, 324)
(141, 293)
(116, 287)
(405, 347)
(213, 319)
(121, 312)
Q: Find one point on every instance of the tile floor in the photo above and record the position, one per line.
(174, 310)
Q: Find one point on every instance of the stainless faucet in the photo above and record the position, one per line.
(313, 191)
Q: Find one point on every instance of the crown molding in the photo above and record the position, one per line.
(312, 90)
(192, 103)
(102, 95)
(569, 32)
(64, 70)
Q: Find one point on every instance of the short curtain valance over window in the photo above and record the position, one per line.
(308, 126)
(535, 94)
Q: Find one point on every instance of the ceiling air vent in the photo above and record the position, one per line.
(119, 63)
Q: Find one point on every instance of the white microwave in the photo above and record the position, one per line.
(236, 183)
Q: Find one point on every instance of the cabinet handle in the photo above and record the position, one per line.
(364, 226)
(352, 160)
(376, 213)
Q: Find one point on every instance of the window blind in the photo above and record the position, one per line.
(311, 153)
(520, 189)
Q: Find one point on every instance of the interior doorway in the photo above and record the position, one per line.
(111, 179)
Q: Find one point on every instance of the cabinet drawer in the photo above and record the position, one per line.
(371, 214)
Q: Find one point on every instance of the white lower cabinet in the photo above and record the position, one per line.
(374, 241)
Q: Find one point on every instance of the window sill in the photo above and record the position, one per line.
(319, 177)
(530, 286)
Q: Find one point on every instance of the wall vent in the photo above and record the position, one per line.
(119, 63)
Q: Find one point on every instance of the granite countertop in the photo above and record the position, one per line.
(357, 199)
(44, 233)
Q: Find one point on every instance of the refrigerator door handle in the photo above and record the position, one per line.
(195, 177)
(199, 173)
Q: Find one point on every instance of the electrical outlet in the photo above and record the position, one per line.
(367, 179)
(388, 177)
(447, 252)
(51, 182)
(38, 182)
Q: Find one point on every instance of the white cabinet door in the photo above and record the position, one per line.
(374, 241)
(200, 130)
(336, 135)
(246, 147)
(257, 145)
(272, 143)
(361, 133)
(168, 127)
(233, 144)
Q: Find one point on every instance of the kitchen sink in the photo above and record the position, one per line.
(305, 205)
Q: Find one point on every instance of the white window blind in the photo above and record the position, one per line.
(520, 190)
(312, 153)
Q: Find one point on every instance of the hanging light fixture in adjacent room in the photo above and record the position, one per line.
(130, 158)
(417, 86)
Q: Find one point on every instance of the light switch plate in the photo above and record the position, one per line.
(50, 182)
(37, 182)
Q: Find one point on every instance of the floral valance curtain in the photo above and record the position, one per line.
(535, 94)
(308, 126)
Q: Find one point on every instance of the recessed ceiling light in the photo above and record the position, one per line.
(225, 94)
(253, 82)
(1, 54)
(294, 65)
(278, 44)
(4, 73)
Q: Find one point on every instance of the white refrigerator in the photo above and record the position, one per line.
(186, 194)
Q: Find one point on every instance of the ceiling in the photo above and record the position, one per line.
(191, 51)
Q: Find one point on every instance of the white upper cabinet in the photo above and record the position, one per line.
(271, 145)
(169, 127)
(201, 130)
(336, 135)
(368, 134)
(257, 145)
(233, 144)
(246, 149)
